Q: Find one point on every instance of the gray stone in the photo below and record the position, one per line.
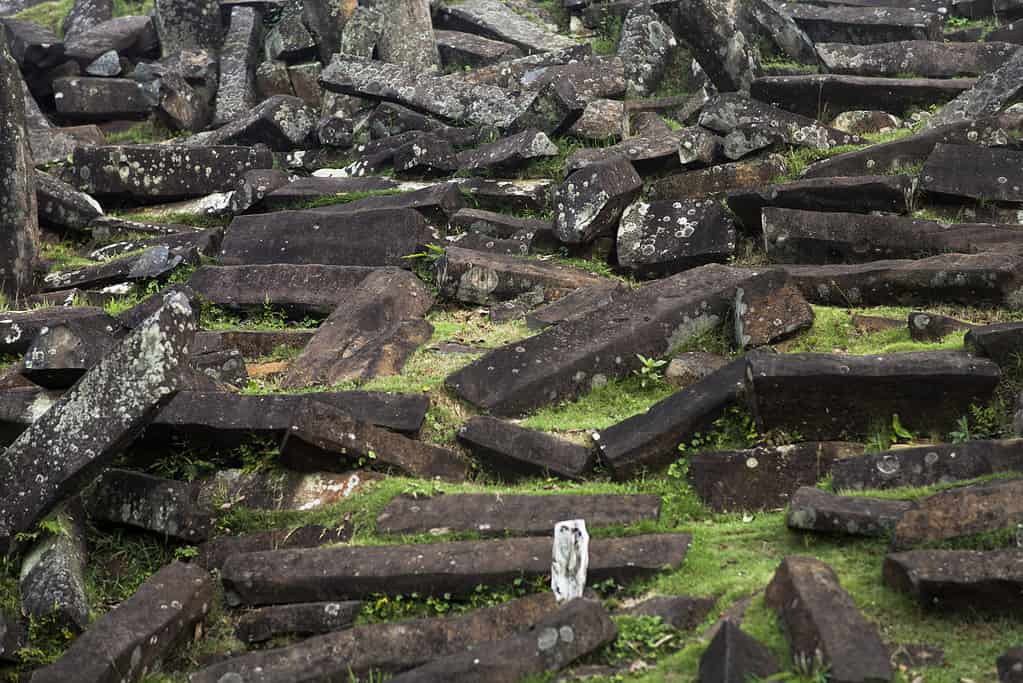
(665, 237)
(52, 579)
(236, 92)
(924, 58)
(19, 227)
(280, 122)
(188, 25)
(494, 19)
(590, 202)
(407, 36)
(990, 95)
(864, 25)
(92, 421)
(107, 64)
(304, 619)
(516, 452)
(645, 45)
(812, 509)
(84, 15)
(465, 50)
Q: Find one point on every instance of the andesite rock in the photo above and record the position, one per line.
(811, 509)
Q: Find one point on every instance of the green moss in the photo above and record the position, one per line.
(196, 220)
(833, 331)
(48, 14)
(145, 132)
(64, 256)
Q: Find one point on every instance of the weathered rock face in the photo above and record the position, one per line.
(142, 630)
(514, 451)
(19, 227)
(811, 509)
(407, 34)
(84, 430)
(578, 628)
(591, 201)
(644, 47)
(495, 20)
(829, 396)
(929, 59)
(735, 657)
(671, 236)
(762, 478)
(306, 619)
(237, 86)
(984, 173)
(959, 579)
(165, 171)
(188, 25)
(819, 616)
(501, 514)
(960, 512)
(52, 579)
(992, 93)
(376, 327)
(432, 569)
(391, 647)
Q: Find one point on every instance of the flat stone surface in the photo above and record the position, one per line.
(72, 441)
(960, 512)
(368, 238)
(213, 553)
(500, 514)
(517, 452)
(574, 630)
(663, 237)
(818, 615)
(764, 477)
(958, 579)
(811, 509)
(495, 20)
(990, 95)
(928, 465)
(833, 396)
(649, 441)
(1000, 342)
(377, 325)
(390, 647)
(18, 329)
(984, 173)
(925, 58)
(561, 362)
(967, 279)
(165, 171)
(320, 435)
(303, 619)
(127, 640)
(456, 567)
(719, 179)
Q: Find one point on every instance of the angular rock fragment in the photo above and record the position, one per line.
(282, 123)
(474, 277)
(299, 289)
(860, 194)
(1001, 342)
(648, 153)
(934, 327)
(816, 95)
(515, 451)
(510, 514)
(19, 227)
(388, 646)
(129, 36)
(406, 35)
(735, 657)
(456, 567)
(864, 25)
(187, 25)
(645, 46)
(574, 630)
(811, 509)
(984, 173)
(139, 632)
(575, 305)
(458, 49)
(213, 553)
(165, 171)
(764, 477)
(377, 325)
(84, 15)
(833, 396)
(92, 99)
(18, 329)
(924, 58)
(819, 616)
(960, 512)
(153, 263)
(769, 310)
(495, 20)
(62, 353)
(959, 579)
(52, 578)
(666, 237)
(591, 201)
(508, 153)
(805, 237)
(304, 619)
(752, 173)
(990, 95)
(163, 506)
(366, 238)
(508, 195)
(216, 414)
(649, 441)
(237, 85)
(62, 206)
(320, 432)
(928, 465)
(86, 428)
(561, 363)
(950, 278)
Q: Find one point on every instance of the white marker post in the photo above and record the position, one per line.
(570, 559)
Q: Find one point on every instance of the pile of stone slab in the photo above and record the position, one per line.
(356, 170)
